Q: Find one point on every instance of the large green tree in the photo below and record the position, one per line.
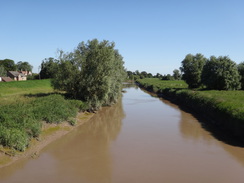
(192, 67)
(24, 66)
(221, 74)
(93, 72)
(48, 68)
(8, 64)
(241, 72)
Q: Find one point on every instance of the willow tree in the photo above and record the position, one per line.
(93, 73)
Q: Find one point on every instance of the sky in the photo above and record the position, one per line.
(151, 35)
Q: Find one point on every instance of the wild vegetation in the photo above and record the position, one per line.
(93, 73)
(224, 107)
(26, 105)
(90, 77)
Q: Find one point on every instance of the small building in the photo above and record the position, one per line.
(16, 76)
(27, 73)
(5, 79)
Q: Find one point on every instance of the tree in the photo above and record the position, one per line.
(3, 72)
(24, 66)
(192, 67)
(158, 75)
(8, 64)
(221, 74)
(48, 68)
(241, 72)
(176, 74)
(93, 73)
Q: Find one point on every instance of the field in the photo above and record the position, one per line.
(26, 105)
(226, 108)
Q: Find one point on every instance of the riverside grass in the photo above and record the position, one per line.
(226, 108)
(25, 105)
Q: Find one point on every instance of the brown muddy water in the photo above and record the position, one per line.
(142, 139)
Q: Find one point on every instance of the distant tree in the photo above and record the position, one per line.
(24, 66)
(241, 72)
(158, 76)
(149, 75)
(192, 67)
(8, 64)
(221, 74)
(143, 74)
(129, 74)
(176, 74)
(3, 72)
(167, 77)
(48, 68)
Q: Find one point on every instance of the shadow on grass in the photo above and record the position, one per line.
(37, 95)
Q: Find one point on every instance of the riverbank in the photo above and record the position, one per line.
(224, 109)
(50, 133)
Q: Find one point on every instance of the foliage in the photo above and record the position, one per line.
(167, 77)
(241, 72)
(192, 67)
(8, 64)
(2, 71)
(48, 68)
(26, 105)
(176, 74)
(93, 73)
(24, 66)
(221, 74)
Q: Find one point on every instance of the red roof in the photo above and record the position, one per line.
(6, 79)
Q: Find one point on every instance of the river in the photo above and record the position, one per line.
(141, 139)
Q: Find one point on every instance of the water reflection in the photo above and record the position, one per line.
(88, 154)
(80, 156)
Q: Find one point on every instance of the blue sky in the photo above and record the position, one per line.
(151, 35)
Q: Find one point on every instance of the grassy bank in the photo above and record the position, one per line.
(26, 105)
(226, 108)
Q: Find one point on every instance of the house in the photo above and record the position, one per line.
(16, 76)
(5, 79)
(27, 73)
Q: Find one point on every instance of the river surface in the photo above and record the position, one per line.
(142, 139)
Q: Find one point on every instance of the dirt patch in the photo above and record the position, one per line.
(50, 133)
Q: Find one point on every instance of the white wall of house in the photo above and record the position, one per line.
(0, 79)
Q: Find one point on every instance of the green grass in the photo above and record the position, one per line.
(225, 107)
(25, 105)
(25, 87)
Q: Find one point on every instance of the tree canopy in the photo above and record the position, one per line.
(93, 72)
(48, 68)
(241, 72)
(192, 67)
(24, 66)
(8, 64)
(221, 74)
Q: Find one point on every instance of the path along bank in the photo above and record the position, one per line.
(225, 115)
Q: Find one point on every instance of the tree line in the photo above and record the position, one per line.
(218, 73)
(93, 73)
(9, 65)
(141, 75)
